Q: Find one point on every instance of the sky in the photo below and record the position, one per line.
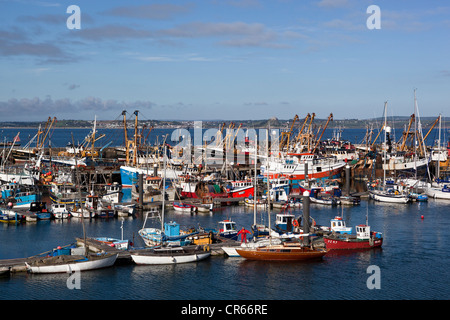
(223, 59)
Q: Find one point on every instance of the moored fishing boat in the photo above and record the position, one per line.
(388, 196)
(10, 216)
(241, 189)
(338, 225)
(364, 239)
(184, 207)
(59, 211)
(40, 210)
(78, 212)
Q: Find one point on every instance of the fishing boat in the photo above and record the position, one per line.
(318, 195)
(78, 212)
(65, 193)
(293, 167)
(170, 255)
(338, 225)
(184, 207)
(241, 189)
(59, 211)
(125, 210)
(364, 239)
(227, 229)
(285, 222)
(350, 200)
(40, 210)
(120, 244)
(98, 207)
(389, 196)
(259, 203)
(286, 251)
(20, 195)
(10, 216)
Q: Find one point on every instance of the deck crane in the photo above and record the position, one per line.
(330, 118)
(285, 136)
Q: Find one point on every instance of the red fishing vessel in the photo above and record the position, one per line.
(364, 239)
(241, 189)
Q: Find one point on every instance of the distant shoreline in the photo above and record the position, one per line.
(285, 124)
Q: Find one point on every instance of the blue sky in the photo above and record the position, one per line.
(223, 59)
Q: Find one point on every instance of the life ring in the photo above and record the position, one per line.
(295, 223)
(396, 192)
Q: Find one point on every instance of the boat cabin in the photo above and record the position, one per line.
(363, 232)
(227, 225)
(338, 225)
(113, 192)
(285, 221)
(59, 207)
(278, 195)
(227, 229)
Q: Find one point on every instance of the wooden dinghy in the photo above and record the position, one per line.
(69, 263)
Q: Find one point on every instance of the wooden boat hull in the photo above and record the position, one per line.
(83, 265)
(281, 254)
(168, 256)
(348, 244)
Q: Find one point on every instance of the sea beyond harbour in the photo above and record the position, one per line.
(61, 137)
(413, 262)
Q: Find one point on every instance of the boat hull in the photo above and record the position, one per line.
(165, 256)
(437, 193)
(348, 244)
(388, 198)
(282, 254)
(100, 263)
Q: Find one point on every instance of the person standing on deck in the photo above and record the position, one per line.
(243, 232)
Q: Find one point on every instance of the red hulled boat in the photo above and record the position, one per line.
(364, 239)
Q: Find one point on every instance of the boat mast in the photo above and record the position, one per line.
(135, 137)
(439, 149)
(385, 145)
(164, 189)
(268, 183)
(124, 113)
(254, 187)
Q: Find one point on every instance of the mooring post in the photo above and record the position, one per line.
(306, 226)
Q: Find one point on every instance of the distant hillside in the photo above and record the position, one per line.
(396, 122)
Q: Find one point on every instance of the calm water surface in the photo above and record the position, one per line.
(413, 262)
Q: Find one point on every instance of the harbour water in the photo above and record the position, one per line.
(413, 263)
